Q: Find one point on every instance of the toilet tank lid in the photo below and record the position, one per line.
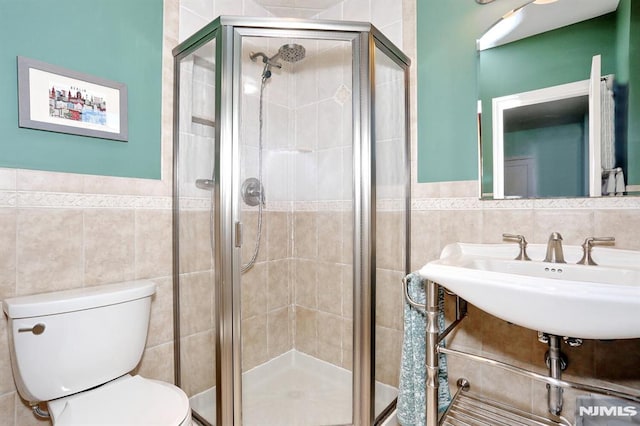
(59, 302)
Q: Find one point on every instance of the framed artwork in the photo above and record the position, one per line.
(55, 99)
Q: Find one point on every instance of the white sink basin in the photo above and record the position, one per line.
(590, 302)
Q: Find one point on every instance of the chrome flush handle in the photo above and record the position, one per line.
(36, 329)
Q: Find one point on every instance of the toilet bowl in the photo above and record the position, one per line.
(75, 350)
(128, 400)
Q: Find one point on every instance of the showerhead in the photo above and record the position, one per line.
(292, 52)
(288, 52)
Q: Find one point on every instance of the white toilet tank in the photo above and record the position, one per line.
(69, 341)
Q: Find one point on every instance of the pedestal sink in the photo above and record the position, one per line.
(564, 299)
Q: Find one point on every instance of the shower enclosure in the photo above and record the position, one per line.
(291, 221)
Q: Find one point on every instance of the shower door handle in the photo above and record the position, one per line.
(207, 184)
(238, 236)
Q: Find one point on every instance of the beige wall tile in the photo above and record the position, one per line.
(157, 363)
(329, 338)
(507, 342)
(573, 225)
(330, 291)
(306, 283)
(196, 303)
(306, 331)
(388, 355)
(347, 343)
(49, 250)
(250, 235)
(279, 282)
(195, 241)
(36, 180)
(621, 224)
(330, 236)
(465, 188)
(280, 332)
(460, 226)
(7, 252)
(278, 235)
(253, 291)
(153, 249)
(425, 237)
(467, 336)
(94, 184)
(458, 367)
(108, 246)
(161, 321)
(389, 299)
(6, 375)
(198, 360)
(347, 291)
(347, 239)
(8, 408)
(390, 240)
(254, 342)
(422, 190)
(157, 187)
(497, 222)
(8, 179)
(305, 239)
(504, 386)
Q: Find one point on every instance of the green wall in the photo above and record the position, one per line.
(553, 145)
(118, 40)
(446, 67)
(549, 59)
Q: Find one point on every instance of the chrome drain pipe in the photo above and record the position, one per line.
(554, 393)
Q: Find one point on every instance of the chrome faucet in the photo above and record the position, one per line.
(522, 243)
(554, 249)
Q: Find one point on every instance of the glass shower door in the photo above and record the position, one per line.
(296, 209)
(392, 221)
(194, 194)
(281, 197)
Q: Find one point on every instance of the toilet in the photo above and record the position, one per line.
(75, 350)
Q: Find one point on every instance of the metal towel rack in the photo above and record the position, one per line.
(466, 408)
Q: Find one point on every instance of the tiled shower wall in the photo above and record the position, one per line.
(299, 295)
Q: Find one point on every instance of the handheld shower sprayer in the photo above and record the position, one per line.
(252, 190)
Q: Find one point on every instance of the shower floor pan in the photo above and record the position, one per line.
(294, 389)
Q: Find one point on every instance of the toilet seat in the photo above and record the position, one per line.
(128, 400)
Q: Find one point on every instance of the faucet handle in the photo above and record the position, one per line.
(522, 243)
(588, 245)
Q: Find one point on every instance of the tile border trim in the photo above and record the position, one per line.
(37, 199)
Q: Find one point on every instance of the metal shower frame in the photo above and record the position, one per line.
(228, 33)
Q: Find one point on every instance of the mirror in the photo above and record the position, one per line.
(544, 130)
